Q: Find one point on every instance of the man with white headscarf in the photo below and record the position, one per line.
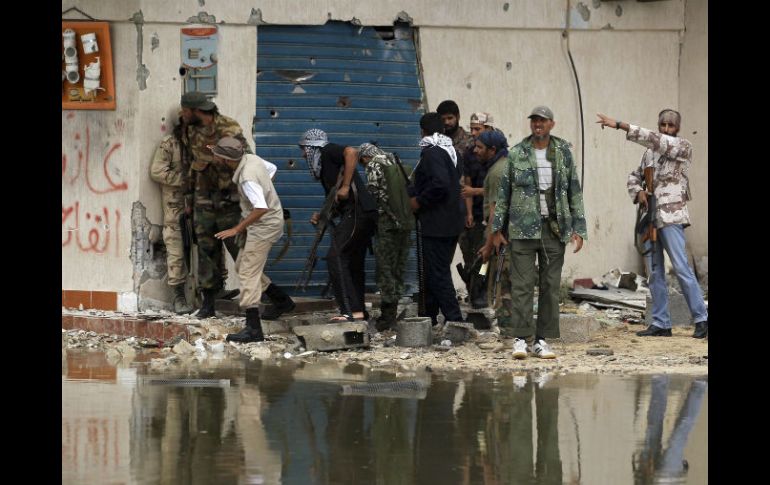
(435, 198)
(335, 165)
(671, 157)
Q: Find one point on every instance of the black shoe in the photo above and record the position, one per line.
(281, 303)
(654, 331)
(207, 309)
(701, 329)
(253, 330)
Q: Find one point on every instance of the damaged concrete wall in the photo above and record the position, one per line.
(501, 56)
(100, 180)
(111, 212)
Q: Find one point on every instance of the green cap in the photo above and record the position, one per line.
(197, 100)
(543, 112)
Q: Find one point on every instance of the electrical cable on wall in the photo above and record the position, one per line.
(565, 34)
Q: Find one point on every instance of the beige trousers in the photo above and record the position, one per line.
(250, 267)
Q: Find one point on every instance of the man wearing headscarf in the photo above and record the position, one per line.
(391, 248)
(435, 198)
(492, 146)
(335, 165)
(472, 238)
(671, 157)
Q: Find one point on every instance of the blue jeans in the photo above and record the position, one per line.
(671, 238)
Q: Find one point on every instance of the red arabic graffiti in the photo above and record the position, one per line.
(97, 228)
(83, 164)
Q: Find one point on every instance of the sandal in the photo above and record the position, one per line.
(348, 318)
(342, 318)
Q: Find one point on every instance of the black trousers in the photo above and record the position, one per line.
(437, 253)
(349, 240)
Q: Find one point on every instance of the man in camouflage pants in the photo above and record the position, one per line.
(392, 238)
(541, 201)
(212, 192)
(167, 170)
(671, 157)
(492, 148)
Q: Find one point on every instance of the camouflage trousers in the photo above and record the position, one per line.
(172, 238)
(211, 261)
(503, 301)
(391, 249)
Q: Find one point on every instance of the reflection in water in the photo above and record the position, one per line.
(653, 464)
(296, 423)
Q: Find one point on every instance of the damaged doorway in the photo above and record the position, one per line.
(358, 84)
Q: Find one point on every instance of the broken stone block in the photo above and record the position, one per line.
(677, 307)
(458, 332)
(414, 332)
(577, 328)
(333, 336)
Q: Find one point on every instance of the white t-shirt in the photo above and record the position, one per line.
(544, 177)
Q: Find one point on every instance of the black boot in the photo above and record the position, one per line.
(207, 309)
(701, 329)
(281, 303)
(387, 317)
(224, 294)
(252, 332)
(180, 302)
(655, 331)
(478, 293)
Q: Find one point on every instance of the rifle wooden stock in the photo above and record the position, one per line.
(324, 219)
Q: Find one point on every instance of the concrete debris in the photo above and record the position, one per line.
(183, 348)
(260, 352)
(458, 332)
(333, 336)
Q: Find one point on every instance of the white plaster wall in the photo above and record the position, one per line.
(693, 93)
(613, 69)
(629, 67)
(100, 178)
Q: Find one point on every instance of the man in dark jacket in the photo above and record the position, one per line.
(333, 165)
(435, 198)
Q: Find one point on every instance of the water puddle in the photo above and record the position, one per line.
(251, 422)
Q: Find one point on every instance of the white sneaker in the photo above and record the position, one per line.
(519, 348)
(541, 349)
(519, 381)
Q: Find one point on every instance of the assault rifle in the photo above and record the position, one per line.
(324, 219)
(645, 227)
(418, 237)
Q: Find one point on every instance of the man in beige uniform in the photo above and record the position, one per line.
(167, 170)
(262, 220)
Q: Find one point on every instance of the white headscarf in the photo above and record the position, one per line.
(441, 141)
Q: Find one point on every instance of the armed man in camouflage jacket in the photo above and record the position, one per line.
(216, 200)
(392, 238)
(541, 200)
(671, 157)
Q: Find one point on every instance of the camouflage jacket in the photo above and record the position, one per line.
(166, 169)
(213, 182)
(378, 185)
(671, 156)
(518, 198)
